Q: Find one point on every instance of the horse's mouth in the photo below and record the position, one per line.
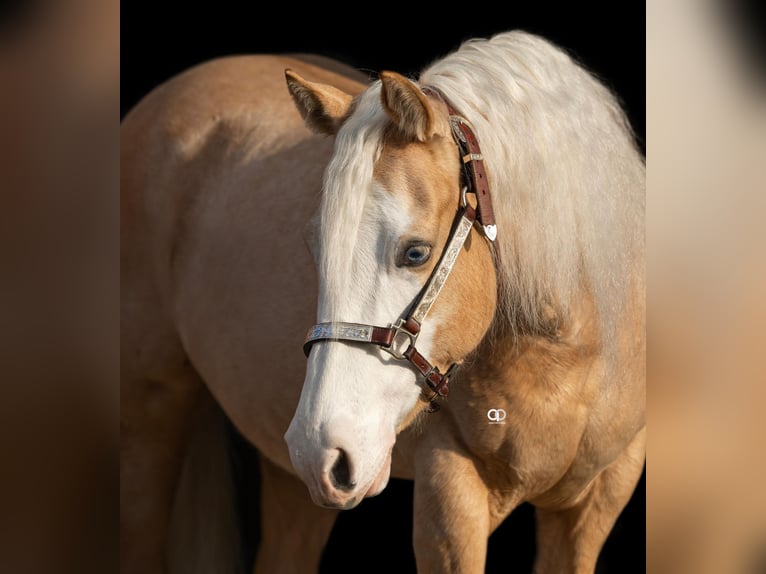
(381, 480)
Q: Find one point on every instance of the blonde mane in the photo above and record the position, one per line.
(566, 177)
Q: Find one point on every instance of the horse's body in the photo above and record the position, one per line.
(219, 180)
(220, 184)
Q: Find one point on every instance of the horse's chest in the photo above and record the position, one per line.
(526, 436)
(521, 449)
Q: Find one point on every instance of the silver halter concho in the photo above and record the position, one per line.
(399, 338)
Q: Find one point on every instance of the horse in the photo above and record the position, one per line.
(470, 242)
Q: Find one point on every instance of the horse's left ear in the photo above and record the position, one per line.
(323, 107)
(407, 106)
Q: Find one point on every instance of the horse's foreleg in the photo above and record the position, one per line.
(451, 506)
(569, 541)
(294, 530)
(153, 426)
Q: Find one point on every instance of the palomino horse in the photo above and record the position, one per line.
(517, 257)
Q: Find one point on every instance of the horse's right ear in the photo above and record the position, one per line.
(323, 107)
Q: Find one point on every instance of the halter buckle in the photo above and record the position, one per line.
(433, 406)
(402, 340)
(440, 389)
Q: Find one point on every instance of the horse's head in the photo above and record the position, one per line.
(391, 195)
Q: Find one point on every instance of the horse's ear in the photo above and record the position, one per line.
(323, 107)
(407, 106)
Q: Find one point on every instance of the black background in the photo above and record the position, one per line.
(160, 39)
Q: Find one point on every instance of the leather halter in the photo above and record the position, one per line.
(400, 337)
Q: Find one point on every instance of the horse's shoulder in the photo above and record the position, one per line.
(245, 80)
(241, 92)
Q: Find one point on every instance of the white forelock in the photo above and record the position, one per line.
(347, 188)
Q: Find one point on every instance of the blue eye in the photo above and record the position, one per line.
(415, 255)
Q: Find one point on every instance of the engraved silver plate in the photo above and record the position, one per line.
(443, 269)
(340, 331)
(455, 122)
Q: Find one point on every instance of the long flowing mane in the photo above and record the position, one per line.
(566, 176)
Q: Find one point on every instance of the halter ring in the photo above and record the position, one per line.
(399, 346)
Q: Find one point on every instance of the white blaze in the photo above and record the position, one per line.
(355, 396)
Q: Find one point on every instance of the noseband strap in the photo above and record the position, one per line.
(399, 339)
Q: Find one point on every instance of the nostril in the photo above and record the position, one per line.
(340, 473)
